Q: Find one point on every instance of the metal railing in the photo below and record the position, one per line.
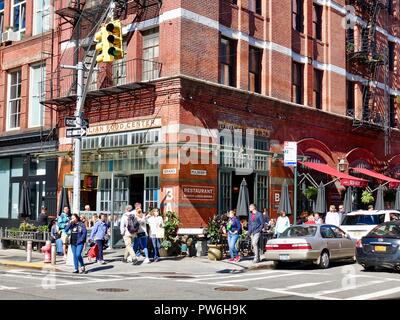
(63, 83)
(6, 234)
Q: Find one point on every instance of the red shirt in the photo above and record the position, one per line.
(309, 222)
(253, 216)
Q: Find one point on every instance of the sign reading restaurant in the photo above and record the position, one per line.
(199, 193)
(124, 126)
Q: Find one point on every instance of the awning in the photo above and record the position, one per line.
(393, 183)
(345, 179)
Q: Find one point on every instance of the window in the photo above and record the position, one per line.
(255, 57)
(350, 45)
(350, 98)
(152, 190)
(326, 232)
(4, 186)
(390, 7)
(351, 220)
(391, 47)
(151, 47)
(392, 112)
(317, 21)
(297, 82)
(41, 16)
(255, 6)
(339, 233)
(297, 15)
(14, 100)
(36, 94)
(317, 94)
(1, 15)
(227, 62)
(19, 15)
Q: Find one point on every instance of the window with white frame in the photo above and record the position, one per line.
(41, 16)
(19, 15)
(36, 110)
(1, 15)
(14, 99)
(151, 42)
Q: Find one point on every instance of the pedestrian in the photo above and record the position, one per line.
(43, 218)
(94, 219)
(67, 211)
(156, 223)
(54, 231)
(128, 235)
(310, 219)
(332, 217)
(370, 207)
(87, 208)
(342, 213)
(255, 225)
(78, 240)
(85, 221)
(265, 218)
(233, 228)
(282, 223)
(98, 235)
(317, 218)
(142, 236)
(62, 221)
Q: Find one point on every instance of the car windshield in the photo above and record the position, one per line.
(363, 219)
(386, 230)
(298, 231)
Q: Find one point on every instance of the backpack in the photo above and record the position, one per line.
(133, 224)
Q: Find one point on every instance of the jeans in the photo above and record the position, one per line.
(232, 240)
(156, 245)
(77, 254)
(100, 244)
(140, 243)
(255, 238)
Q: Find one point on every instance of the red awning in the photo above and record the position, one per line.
(345, 179)
(393, 183)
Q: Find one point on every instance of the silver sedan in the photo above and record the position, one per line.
(316, 243)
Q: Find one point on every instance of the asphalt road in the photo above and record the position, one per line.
(341, 281)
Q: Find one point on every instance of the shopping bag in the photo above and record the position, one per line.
(92, 253)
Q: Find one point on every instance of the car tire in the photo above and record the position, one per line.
(369, 268)
(278, 264)
(324, 260)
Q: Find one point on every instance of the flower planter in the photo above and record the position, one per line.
(215, 252)
(172, 251)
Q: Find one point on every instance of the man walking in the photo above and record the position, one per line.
(342, 213)
(128, 234)
(256, 223)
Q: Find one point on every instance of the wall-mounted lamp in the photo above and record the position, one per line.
(343, 165)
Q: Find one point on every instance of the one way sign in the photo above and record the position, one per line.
(75, 132)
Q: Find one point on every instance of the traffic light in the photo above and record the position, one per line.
(114, 39)
(109, 42)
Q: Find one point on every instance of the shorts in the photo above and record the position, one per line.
(64, 238)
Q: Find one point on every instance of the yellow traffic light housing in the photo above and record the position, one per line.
(114, 39)
(102, 46)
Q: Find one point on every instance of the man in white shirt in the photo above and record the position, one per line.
(129, 254)
(332, 217)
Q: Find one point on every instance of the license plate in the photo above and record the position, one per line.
(283, 257)
(380, 248)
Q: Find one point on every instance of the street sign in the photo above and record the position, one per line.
(290, 154)
(71, 122)
(75, 132)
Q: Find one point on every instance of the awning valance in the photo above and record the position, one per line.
(393, 183)
(345, 179)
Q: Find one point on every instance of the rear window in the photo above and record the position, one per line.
(386, 230)
(363, 219)
(293, 232)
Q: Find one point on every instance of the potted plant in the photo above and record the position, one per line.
(311, 193)
(215, 238)
(169, 245)
(367, 197)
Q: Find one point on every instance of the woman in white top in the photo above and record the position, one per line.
(332, 217)
(282, 223)
(155, 223)
(142, 234)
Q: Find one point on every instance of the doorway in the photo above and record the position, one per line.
(236, 181)
(136, 188)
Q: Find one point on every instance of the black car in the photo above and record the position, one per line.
(380, 247)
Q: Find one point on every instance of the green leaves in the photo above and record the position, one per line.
(367, 197)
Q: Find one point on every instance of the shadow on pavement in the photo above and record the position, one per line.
(102, 268)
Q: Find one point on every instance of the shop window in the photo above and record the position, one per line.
(227, 60)
(37, 167)
(152, 190)
(17, 165)
(15, 188)
(4, 186)
(19, 15)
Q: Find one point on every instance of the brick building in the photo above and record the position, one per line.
(300, 70)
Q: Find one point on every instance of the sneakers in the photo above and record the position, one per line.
(237, 259)
(256, 261)
(156, 259)
(103, 262)
(75, 271)
(231, 260)
(83, 270)
(146, 260)
(129, 260)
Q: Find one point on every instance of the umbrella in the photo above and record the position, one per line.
(243, 203)
(379, 204)
(284, 203)
(64, 201)
(397, 201)
(348, 200)
(24, 202)
(320, 205)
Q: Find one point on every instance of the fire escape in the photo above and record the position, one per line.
(368, 61)
(81, 19)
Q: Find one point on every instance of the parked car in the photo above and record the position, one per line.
(380, 247)
(358, 223)
(316, 243)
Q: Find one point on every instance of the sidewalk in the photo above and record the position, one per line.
(173, 265)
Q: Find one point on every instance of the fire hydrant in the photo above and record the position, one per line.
(47, 252)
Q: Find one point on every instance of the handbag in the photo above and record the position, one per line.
(160, 233)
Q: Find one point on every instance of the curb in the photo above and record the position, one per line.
(28, 265)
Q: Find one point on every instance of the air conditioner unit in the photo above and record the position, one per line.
(10, 35)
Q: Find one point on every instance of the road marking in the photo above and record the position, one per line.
(2, 288)
(304, 285)
(216, 277)
(303, 295)
(30, 277)
(375, 294)
(260, 278)
(325, 292)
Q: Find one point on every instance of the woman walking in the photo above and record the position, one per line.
(156, 223)
(98, 234)
(233, 227)
(282, 223)
(142, 234)
(77, 242)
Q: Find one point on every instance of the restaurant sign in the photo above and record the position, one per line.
(124, 126)
(199, 193)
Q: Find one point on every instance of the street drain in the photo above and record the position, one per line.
(231, 289)
(179, 277)
(112, 290)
